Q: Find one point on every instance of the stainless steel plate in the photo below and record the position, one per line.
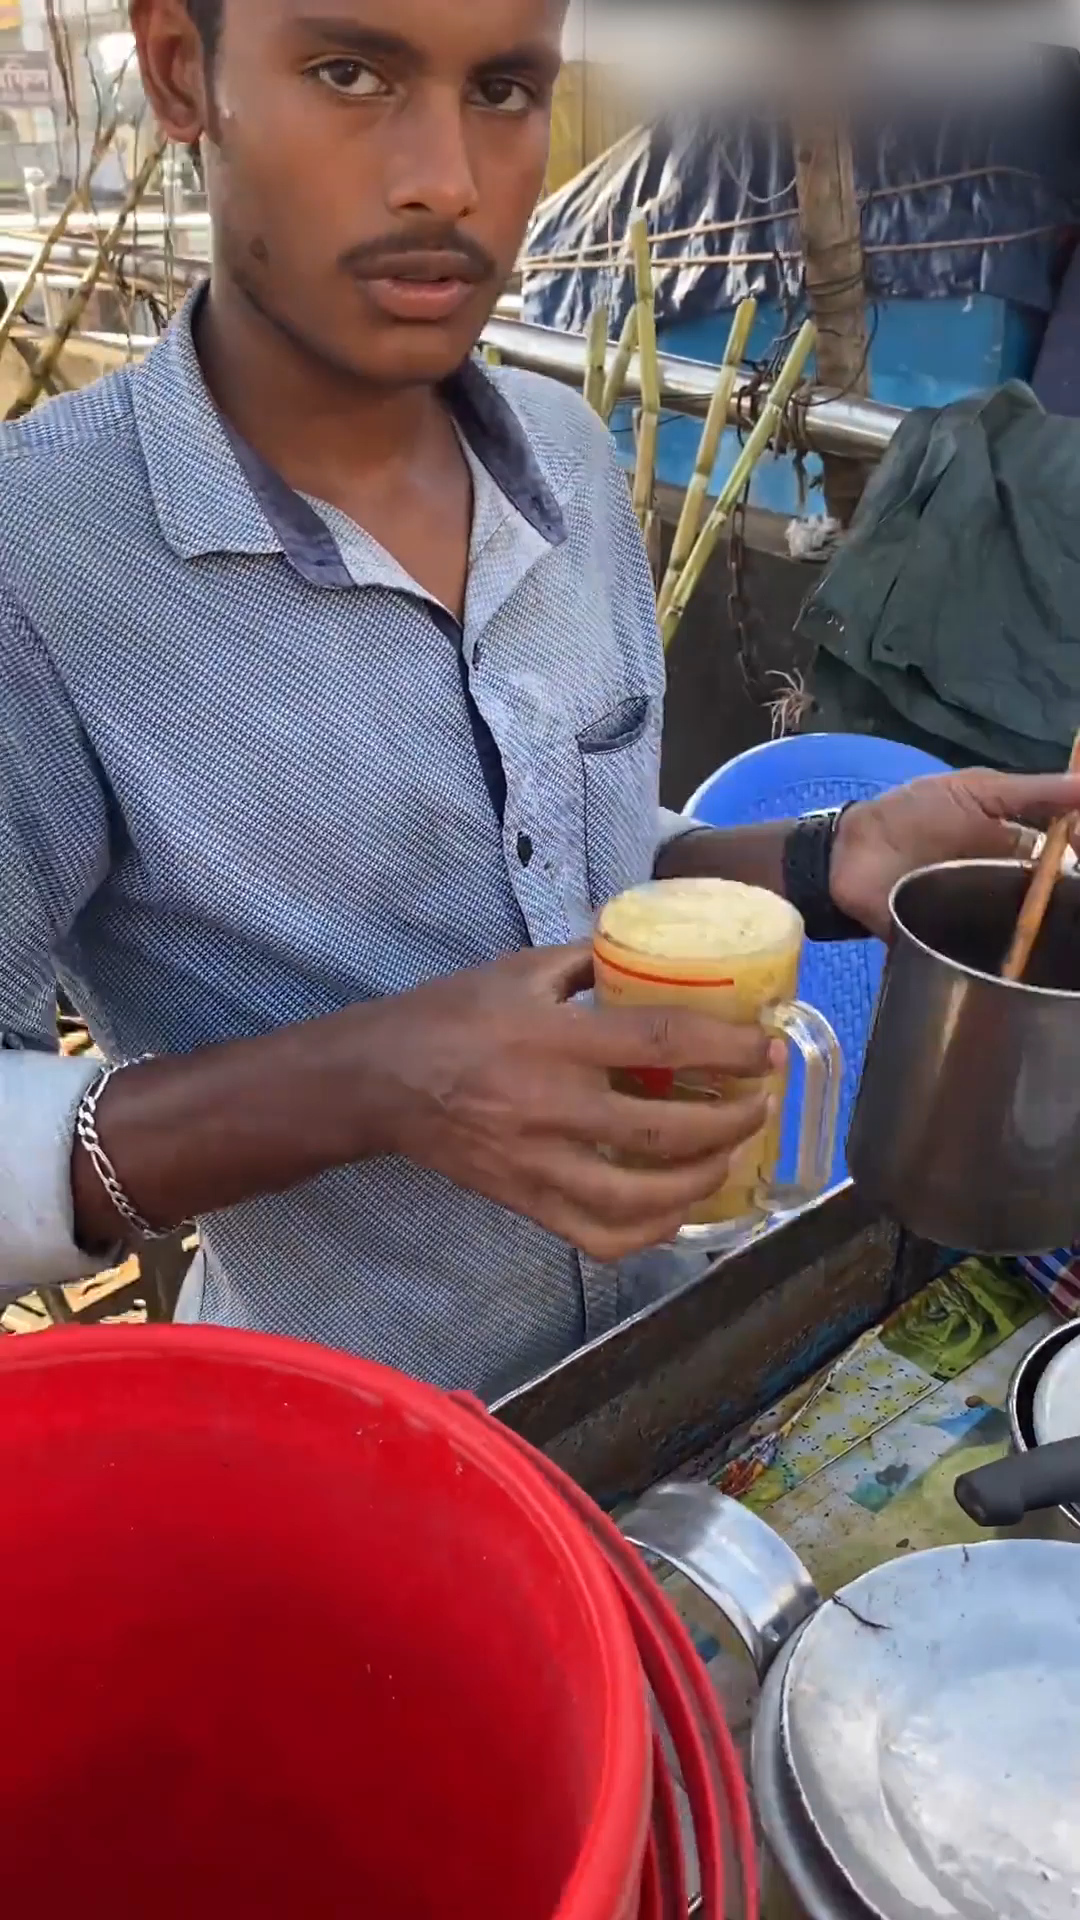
(931, 1721)
(1055, 1410)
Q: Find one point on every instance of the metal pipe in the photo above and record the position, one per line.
(134, 255)
(860, 428)
(145, 259)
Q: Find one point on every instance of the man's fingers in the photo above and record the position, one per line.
(677, 1130)
(610, 1244)
(558, 973)
(671, 1037)
(615, 1196)
(579, 1104)
(1035, 798)
(608, 1211)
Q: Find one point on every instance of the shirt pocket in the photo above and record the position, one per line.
(620, 761)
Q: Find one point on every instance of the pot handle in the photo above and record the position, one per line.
(733, 1559)
(1001, 1493)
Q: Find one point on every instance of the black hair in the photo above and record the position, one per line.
(207, 17)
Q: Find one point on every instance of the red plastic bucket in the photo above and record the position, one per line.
(292, 1635)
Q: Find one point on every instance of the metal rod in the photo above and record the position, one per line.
(859, 428)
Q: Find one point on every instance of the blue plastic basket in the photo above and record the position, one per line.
(783, 779)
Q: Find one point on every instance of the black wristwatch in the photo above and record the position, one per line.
(807, 860)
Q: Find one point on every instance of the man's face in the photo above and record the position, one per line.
(371, 169)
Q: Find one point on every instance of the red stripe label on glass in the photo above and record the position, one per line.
(656, 979)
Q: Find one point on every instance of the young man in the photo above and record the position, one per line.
(330, 706)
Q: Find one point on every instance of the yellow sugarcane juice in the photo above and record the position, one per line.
(730, 952)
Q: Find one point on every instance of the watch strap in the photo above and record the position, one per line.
(807, 860)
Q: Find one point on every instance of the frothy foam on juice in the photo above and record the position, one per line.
(700, 920)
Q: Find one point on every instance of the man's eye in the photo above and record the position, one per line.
(349, 77)
(503, 95)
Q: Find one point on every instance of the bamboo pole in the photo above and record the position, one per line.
(708, 447)
(620, 366)
(596, 345)
(830, 230)
(41, 258)
(1044, 880)
(32, 387)
(648, 423)
(768, 425)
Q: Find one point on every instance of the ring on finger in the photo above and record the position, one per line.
(1030, 843)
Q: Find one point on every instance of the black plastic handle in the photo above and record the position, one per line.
(999, 1495)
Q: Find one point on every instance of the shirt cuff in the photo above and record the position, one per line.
(39, 1098)
(674, 826)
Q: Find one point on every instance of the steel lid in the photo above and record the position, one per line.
(1055, 1406)
(930, 1720)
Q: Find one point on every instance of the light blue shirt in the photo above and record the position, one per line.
(252, 773)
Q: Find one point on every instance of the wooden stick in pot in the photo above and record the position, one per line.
(1043, 881)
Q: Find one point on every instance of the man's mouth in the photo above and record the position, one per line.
(422, 286)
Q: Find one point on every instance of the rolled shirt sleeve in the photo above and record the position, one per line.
(39, 1096)
(54, 853)
(673, 826)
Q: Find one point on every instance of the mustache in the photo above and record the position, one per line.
(376, 259)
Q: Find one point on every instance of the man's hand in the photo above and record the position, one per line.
(953, 816)
(492, 1076)
(495, 1078)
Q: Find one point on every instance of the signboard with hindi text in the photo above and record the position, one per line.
(25, 80)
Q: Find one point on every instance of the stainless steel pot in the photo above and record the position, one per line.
(966, 1128)
(884, 1784)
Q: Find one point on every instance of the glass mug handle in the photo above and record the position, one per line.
(810, 1034)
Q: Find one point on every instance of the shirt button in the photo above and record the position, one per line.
(524, 849)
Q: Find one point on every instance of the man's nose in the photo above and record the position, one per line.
(429, 169)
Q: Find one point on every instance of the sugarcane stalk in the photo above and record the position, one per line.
(620, 365)
(765, 428)
(41, 258)
(648, 423)
(49, 356)
(693, 508)
(596, 345)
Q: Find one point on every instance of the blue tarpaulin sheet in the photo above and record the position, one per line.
(981, 199)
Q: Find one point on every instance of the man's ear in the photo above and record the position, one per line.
(173, 67)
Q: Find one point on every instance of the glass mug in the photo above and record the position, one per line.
(730, 952)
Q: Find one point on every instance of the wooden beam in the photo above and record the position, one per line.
(835, 277)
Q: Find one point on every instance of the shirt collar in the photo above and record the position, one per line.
(214, 494)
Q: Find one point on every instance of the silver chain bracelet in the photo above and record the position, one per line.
(86, 1128)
